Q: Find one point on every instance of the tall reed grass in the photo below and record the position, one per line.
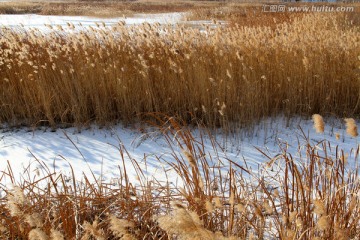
(312, 196)
(223, 76)
(100, 8)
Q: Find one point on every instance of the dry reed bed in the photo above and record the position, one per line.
(250, 15)
(223, 76)
(258, 14)
(101, 8)
(315, 196)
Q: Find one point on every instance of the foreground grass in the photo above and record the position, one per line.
(315, 196)
(223, 76)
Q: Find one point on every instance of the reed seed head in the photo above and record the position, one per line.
(351, 127)
(318, 123)
(323, 223)
(319, 207)
(209, 206)
(37, 234)
(121, 227)
(56, 235)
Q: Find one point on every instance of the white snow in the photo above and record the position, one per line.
(97, 150)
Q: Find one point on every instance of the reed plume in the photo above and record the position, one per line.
(318, 123)
(185, 224)
(120, 228)
(56, 235)
(37, 234)
(92, 230)
(351, 127)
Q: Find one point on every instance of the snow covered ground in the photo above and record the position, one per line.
(98, 150)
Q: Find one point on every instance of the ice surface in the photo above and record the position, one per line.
(39, 21)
